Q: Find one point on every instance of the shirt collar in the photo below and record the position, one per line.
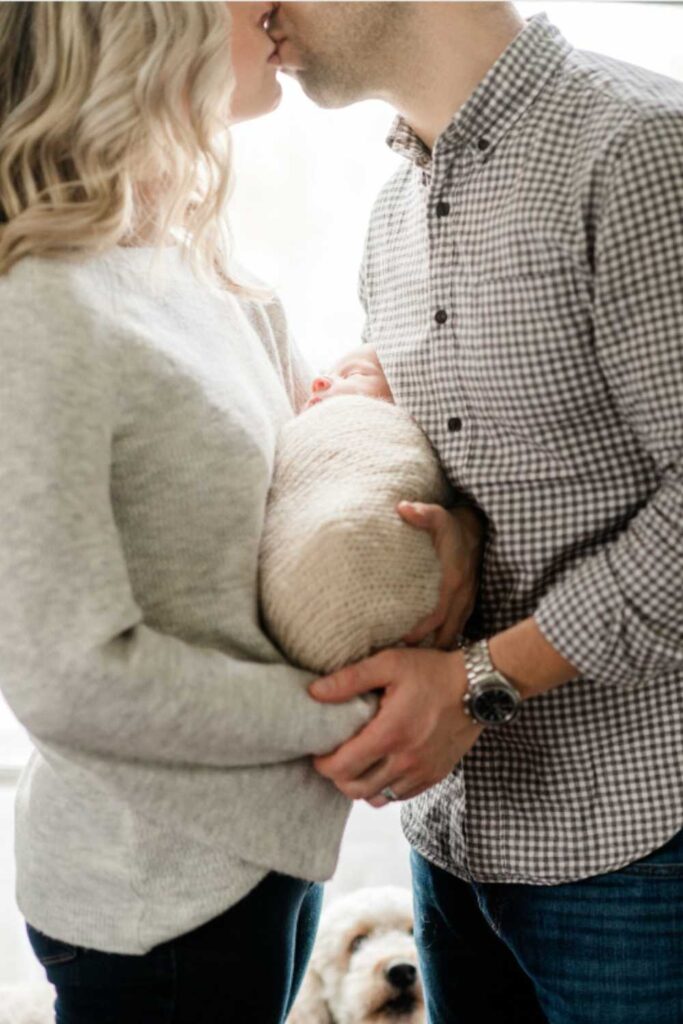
(500, 99)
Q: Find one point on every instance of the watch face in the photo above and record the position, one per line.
(494, 706)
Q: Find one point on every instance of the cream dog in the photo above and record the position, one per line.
(364, 965)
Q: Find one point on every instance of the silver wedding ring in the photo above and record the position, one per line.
(389, 794)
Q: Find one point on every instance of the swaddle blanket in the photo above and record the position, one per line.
(341, 573)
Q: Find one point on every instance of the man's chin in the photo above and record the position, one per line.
(317, 92)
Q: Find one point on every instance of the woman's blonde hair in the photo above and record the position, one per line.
(111, 118)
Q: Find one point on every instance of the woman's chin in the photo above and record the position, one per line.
(249, 108)
(276, 96)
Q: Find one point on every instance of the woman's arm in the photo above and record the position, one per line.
(78, 664)
(271, 325)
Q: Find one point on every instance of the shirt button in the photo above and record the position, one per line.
(442, 208)
(483, 144)
(441, 316)
(454, 424)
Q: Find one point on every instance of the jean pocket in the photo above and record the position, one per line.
(48, 951)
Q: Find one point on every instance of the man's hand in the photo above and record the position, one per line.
(419, 733)
(457, 537)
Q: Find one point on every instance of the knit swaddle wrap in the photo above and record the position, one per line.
(342, 574)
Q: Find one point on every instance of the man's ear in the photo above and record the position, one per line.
(311, 1006)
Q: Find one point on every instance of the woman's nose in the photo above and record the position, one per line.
(320, 384)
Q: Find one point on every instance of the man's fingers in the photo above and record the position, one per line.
(349, 682)
(355, 757)
(413, 789)
(437, 521)
(405, 789)
(446, 622)
(424, 517)
(423, 629)
(452, 628)
(371, 783)
(430, 622)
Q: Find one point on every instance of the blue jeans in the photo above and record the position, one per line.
(244, 966)
(605, 950)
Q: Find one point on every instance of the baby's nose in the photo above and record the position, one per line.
(320, 384)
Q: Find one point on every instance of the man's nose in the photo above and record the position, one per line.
(320, 384)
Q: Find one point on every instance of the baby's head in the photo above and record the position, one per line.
(357, 373)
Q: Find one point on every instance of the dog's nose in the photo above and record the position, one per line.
(401, 975)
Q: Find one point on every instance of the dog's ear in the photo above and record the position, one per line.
(311, 1006)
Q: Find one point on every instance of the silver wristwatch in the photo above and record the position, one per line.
(491, 699)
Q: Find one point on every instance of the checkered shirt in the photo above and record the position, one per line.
(523, 284)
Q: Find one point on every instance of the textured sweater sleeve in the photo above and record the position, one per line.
(78, 665)
(363, 298)
(295, 370)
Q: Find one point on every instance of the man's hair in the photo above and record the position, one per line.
(109, 118)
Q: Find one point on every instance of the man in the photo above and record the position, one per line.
(523, 283)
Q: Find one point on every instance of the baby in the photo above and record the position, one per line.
(357, 373)
(341, 574)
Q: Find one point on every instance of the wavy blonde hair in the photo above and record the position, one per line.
(111, 118)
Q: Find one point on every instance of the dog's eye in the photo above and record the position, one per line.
(357, 942)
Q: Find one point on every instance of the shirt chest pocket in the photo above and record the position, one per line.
(526, 346)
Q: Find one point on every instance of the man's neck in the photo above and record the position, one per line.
(451, 49)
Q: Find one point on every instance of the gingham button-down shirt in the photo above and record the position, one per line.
(524, 287)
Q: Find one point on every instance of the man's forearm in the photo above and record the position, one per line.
(528, 660)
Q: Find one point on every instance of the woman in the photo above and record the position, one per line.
(169, 824)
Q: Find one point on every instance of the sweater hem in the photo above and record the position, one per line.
(88, 928)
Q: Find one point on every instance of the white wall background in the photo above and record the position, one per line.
(306, 182)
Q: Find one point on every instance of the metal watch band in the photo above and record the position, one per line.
(483, 678)
(477, 661)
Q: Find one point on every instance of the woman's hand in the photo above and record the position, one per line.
(457, 539)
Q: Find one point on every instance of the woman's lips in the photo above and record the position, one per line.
(275, 55)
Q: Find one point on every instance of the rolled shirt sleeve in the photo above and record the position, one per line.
(619, 615)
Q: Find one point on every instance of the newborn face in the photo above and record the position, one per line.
(357, 373)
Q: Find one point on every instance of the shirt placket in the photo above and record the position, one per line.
(455, 429)
(450, 170)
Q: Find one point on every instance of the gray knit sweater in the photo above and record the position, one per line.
(137, 434)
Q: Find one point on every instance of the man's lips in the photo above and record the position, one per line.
(290, 63)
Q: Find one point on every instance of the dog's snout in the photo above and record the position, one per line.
(401, 975)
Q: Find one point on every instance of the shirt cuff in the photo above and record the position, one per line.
(583, 618)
